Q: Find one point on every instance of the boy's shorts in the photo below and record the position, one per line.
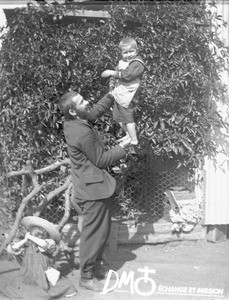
(122, 114)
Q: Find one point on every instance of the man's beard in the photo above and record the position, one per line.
(82, 114)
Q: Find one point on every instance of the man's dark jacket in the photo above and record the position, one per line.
(88, 156)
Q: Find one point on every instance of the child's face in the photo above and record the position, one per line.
(128, 53)
(38, 232)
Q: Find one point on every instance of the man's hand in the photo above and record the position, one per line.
(125, 143)
(108, 73)
(111, 87)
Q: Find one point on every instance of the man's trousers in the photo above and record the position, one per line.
(96, 227)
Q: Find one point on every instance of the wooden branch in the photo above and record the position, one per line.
(25, 186)
(32, 173)
(67, 207)
(53, 194)
(19, 216)
(24, 183)
(40, 171)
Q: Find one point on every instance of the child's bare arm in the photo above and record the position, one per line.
(18, 245)
(17, 248)
(45, 245)
(112, 81)
(108, 73)
(38, 241)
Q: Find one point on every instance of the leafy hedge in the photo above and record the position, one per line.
(45, 53)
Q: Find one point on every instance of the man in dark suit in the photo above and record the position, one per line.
(93, 185)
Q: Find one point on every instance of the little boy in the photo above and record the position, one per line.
(124, 84)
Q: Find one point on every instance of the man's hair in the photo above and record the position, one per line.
(128, 41)
(65, 104)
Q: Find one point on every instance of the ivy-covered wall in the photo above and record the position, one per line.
(42, 58)
(44, 53)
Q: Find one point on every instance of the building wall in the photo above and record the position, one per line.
(223, 10)
(217, 174)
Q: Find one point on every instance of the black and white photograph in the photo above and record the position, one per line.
(114, 149)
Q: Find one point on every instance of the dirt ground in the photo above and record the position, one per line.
(176, 270)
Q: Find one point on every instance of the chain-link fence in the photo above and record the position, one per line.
(145, 182)
(142, 195)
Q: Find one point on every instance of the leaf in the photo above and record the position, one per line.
(63, 52)
(187, 145)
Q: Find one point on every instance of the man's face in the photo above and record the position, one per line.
(81, 106)
(128, 53)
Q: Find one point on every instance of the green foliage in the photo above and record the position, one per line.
(177, 110)
(43, 56)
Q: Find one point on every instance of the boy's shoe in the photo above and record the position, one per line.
(91, 284)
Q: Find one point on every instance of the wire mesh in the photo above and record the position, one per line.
(54, 212)
(142, 195)
(145, 182)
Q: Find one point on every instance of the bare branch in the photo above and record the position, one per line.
(67, 207)
(25, 186)
(40, 171)
(19, 215)
(53, 194)
(32, 173)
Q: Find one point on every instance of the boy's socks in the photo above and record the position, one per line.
(126, 137)
(134, 142)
